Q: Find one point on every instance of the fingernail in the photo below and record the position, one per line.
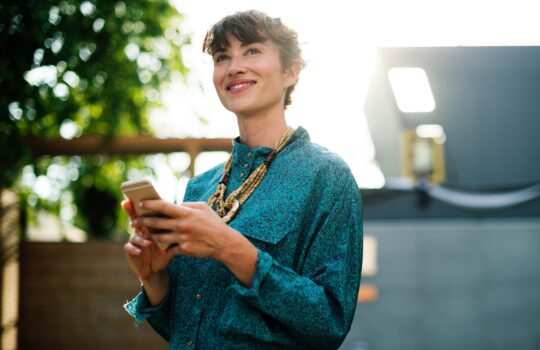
(141, 204)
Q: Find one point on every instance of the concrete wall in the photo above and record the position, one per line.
(452, 284)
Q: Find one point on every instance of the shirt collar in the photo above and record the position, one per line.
(241, 151)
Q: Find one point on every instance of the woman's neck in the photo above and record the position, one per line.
(261, 131)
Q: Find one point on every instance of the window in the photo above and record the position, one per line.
(411, 90)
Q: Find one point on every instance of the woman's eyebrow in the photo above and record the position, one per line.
(254, 42)
(243, 45)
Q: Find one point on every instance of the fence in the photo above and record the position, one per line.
(72, 297)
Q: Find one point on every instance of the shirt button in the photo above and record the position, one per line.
(246, 165)
(198, 297)
(242, 175)
(249, 154)
(189, 343)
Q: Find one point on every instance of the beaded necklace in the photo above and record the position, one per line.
(227, 208)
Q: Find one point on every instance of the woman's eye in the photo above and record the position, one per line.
(220, 58)
(252, 51)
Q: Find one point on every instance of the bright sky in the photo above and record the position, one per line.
(339, 39)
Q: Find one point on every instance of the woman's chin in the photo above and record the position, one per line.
(252, 110)
(242, 111)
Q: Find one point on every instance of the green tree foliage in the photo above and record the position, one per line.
(70, 68)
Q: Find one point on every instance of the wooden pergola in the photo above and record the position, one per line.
(126, 145)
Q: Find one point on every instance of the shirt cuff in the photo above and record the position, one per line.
(264, 263)
(141, 309)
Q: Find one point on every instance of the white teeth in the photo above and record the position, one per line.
(239, 86)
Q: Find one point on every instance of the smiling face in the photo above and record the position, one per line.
(249, 78)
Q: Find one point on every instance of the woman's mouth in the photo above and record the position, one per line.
(239, 86)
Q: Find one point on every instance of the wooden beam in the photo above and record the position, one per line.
(122, 145)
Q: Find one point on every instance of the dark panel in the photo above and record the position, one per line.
(453, 284)
(392, 205)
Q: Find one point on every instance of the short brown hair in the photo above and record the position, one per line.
(253, 27)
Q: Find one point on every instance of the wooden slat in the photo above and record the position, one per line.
(121, 145)
(72, 296)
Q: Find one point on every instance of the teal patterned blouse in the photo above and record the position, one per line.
(305, 219)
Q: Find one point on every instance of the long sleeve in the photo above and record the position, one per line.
(158, 316)
(316, 307)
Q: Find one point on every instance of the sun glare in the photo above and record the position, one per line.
(412, 90)
(339, 41)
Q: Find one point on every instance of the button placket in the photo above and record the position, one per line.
(249, 162)
(244, 169)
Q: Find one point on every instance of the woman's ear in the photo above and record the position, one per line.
(291, 74)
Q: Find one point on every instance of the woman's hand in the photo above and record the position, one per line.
(145, 258)
(194, 229)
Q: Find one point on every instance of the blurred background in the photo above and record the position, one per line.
(435, 106)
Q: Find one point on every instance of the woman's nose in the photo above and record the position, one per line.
(236, 66)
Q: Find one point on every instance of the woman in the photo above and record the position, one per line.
(265, 251)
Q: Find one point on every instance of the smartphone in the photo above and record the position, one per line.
(137, 191)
